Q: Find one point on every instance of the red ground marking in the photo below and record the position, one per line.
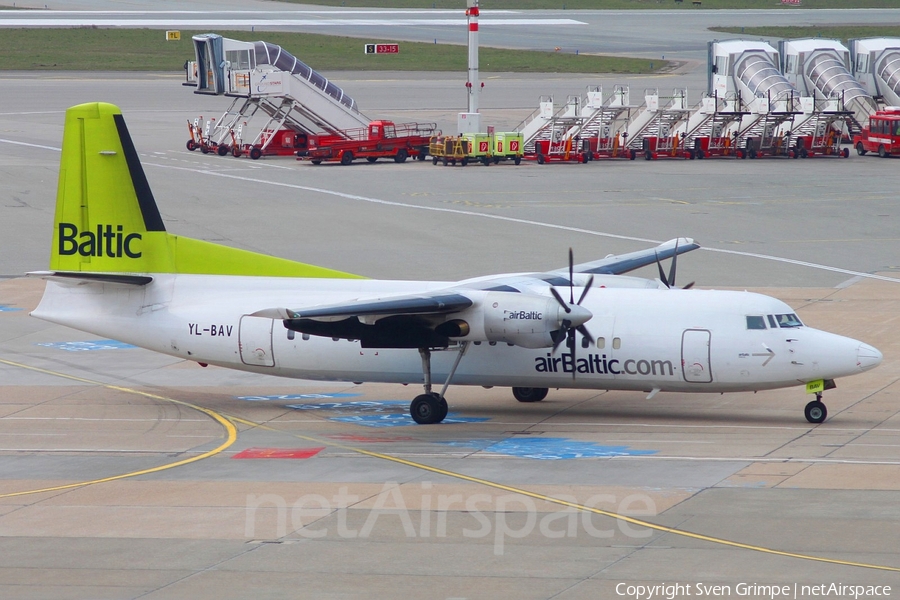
(362, 439)
(278, 453)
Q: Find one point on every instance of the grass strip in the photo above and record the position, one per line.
(95, 49)
(607, 4)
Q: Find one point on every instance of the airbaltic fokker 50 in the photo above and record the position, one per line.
(116, 272)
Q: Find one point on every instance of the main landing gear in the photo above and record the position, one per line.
(525, 394)
(815, 411)
(430, 408)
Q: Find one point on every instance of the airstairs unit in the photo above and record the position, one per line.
(654, 131)
(264, 78)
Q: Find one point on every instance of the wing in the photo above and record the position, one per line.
(369, 311)
(623, 263)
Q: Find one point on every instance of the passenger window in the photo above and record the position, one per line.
(755, 322)
(601, 343)
(772, 323)
(585, 342)
(789, 320)
(617, 343)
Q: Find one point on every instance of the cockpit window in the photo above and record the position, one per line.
(789, 320)
(755, 322)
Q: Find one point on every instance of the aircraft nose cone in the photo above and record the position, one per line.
(867, 357)
(580, 315)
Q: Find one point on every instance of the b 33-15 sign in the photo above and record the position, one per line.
(382, 49)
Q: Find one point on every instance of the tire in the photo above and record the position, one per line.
(222, 150)
(446, 161)
(845, 153)
(691, 154)
(633, 155)
(648, 155)
(316, 161)
(434, 160)
(423, 151)
(371, 159)
(496, 160)
(191, 145)
(882, 152)
(346, 157)
(426, 409)
(401, 156)
(204, 149)
(464, 162)
(752, 153)
(525, 394)
(445, 409)
(815, 412)
(540, 159)
(236, 152)
(486, 161)
(804, 153)
(585, 158)
(860, 149)
(255, 153)
(517, 160)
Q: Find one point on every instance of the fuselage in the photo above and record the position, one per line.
(645, 339)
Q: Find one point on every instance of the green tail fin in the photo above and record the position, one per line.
(107, 220)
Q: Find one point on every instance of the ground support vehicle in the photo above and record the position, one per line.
(881, 135)
(448, 150)
(610, 147)
(727, 145)
(822, 145)
(381, 139)
(200, 137)
(507, 145)
(565, 150)
(480, 148)
(281, 142)
(665, 147)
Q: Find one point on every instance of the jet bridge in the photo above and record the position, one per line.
(820, 69)
(263, 76)
(876, 65)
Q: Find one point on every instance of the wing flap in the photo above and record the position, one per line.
(436, 304)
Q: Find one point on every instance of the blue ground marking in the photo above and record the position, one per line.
(371, 413)
(8, 308)
(297, 397)
(550, 448)
(399, 420)
(87, 346)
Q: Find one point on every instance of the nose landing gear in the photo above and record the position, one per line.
(430, 408)
(815, 411)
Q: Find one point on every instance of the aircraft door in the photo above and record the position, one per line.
(695, 356)
(255, 341)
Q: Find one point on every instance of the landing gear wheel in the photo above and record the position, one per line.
(346, 157)
(860, 149)
(427, 409)
(525, 394)
(255, 153)
(815, 412)
(401, 156)
(445, 409)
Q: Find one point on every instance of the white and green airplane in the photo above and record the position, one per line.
(116, 272)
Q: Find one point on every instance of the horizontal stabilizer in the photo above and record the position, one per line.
(82, 277)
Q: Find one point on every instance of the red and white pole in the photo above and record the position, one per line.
(473, 85)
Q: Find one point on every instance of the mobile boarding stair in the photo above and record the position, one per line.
(263, 77)
(606, 122)
(654, 130)
(713, 128)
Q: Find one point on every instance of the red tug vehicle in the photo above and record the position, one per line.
(881, 135)
(381, 139)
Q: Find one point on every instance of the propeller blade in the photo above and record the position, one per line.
(662, 275)
(583, 331)
(571, 277)
(572, 346)
(672, 267)
(689, 286)
(560, 300)
(586, 288)
(559, 337)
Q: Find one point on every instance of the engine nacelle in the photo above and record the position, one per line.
(521, 319)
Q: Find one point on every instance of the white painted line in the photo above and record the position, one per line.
(244, 23)
(30, 145)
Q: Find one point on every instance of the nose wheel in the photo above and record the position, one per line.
(430, 408)
(815, 411)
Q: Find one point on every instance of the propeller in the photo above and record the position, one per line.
(669, 281)
(577, 315)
